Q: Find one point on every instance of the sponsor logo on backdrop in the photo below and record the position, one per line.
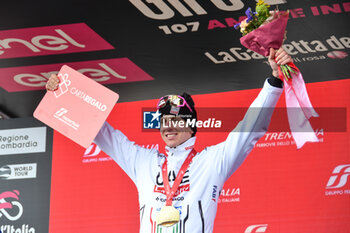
(116, 70)
(94, 154)
(168, 9)
(301, 51)
(69, 38)
(337, 54)
(277, 139)
(24, 228)
(229, 195)
(338, 183)
(10, 208)
(165, 10)
(23, 140)
(256, 228)
(18, 171)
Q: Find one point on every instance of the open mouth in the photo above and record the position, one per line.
(170, 135)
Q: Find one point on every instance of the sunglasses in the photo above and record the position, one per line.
(174, 100)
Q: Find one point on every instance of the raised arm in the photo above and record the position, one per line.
(125, 153)
(230, 154)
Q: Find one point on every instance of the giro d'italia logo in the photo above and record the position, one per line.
(10, 208)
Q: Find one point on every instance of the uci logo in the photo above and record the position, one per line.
(17, 209)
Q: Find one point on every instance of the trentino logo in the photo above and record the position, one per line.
(339, 177)
(151, 120)
(18, 208)
(256, 228)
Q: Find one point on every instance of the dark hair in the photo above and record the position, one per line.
(184, 112)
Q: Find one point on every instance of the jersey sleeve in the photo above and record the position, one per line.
(125, 153)
(230, 154)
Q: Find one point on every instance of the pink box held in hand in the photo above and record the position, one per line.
(78, 108)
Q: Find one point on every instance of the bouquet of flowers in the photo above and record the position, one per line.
(265, 29)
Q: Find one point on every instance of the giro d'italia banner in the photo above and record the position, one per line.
(277, 188)
(144, 49)
(25, 175)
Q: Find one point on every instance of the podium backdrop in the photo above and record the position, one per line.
(277, 189)
(144, 49)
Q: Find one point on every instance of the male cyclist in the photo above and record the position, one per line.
(175, 190)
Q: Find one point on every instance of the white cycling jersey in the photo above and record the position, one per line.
(197, 195)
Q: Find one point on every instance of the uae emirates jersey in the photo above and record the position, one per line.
(198, 193)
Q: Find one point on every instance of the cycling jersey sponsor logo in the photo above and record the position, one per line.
(183, 187)
(214, 193)
(337, 182)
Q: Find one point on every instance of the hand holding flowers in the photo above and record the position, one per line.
(264, 32)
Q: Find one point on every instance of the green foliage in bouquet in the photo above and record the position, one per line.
(254, 19)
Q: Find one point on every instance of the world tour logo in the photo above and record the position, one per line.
(18, 171)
